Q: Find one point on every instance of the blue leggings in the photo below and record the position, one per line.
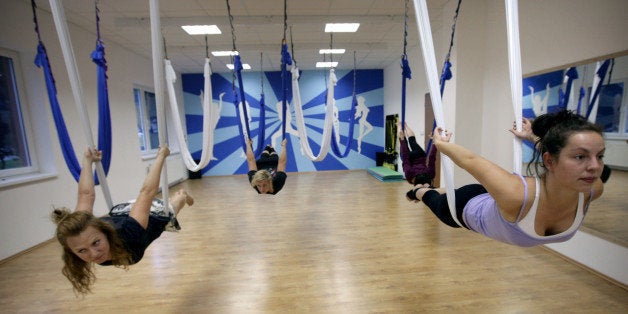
(438, 203)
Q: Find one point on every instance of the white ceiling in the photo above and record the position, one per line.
(259, 28)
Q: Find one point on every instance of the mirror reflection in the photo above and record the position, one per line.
(595, 89)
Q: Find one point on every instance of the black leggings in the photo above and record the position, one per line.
(416, 151)
(438, 203)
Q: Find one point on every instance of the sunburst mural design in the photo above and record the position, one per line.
(229, 157)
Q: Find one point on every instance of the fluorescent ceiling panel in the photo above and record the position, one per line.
(341, 27)
(201, 29)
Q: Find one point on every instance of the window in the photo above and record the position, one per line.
(146, 109)
(15, 155)
(612, 109)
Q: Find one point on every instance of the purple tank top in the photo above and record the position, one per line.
(482, 215)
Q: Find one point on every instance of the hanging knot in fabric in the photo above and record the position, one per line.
(405, 66)
(237, 64)
(446, 75)
(98, 55)
(285, 55)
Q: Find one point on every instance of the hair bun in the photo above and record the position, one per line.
(545, 122)
(59, 214)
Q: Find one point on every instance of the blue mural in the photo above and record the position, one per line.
(229, 157)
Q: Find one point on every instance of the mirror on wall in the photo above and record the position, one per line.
(596, 89)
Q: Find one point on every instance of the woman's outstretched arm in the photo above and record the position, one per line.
(250, 157)
(506, 188)
(283, 157)
(86, 191)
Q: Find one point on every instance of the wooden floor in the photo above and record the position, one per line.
(330, 242)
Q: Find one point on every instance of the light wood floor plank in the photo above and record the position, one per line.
(330, 242)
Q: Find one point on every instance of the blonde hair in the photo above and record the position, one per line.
(79, 272)
(259, 176)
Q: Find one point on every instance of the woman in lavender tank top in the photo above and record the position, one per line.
(568, 160)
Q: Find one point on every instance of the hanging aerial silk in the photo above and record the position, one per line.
(598, 79)
(104, 115)
(286, 60)
(427, 45)
(566, 100)
(329, 116)
(104, 121)
(354, 104)
(209, 115)
(446, 74)
(516, 83)
(157, 49)
(77, 91)
(246, 130)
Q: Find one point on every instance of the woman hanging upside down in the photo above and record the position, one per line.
(527, 211)
(267, 175)
(119, 239)
(418, 167)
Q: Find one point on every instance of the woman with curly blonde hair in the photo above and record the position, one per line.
(119, 239)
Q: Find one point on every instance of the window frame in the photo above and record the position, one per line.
(143, 116)
(30, 147)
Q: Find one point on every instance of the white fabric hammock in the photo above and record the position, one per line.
(427, 45)
(209, 116)
(516, 84)
(515, 81)
(329, 116)
(158, 78)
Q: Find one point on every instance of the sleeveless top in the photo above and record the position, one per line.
(482, 215)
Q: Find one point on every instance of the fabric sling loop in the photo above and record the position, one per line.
(104, 114)
(41, 61)
(427, 46)
(446, 74)
(77, 89)
(406, 72)
(158, 78)
(300, 120)
(104, 122)
(262, 102)
(354, 103)
(285, 60)
(598, 79)
(209, 115)
(237, 71)
(516, 83)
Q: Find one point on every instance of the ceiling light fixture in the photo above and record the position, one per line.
(326, 64)
(341, 27)
(224, 53)
(245, 66)
(331, 51)
(201, 29)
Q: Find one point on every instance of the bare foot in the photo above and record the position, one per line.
(188, 199)
(409, 132)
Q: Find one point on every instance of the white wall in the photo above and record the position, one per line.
(25, 208)
(477, 101)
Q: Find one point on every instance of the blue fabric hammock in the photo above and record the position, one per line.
(237, 67)
(406, 73)
(286, 60)
(334, 145)
(104, 117)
